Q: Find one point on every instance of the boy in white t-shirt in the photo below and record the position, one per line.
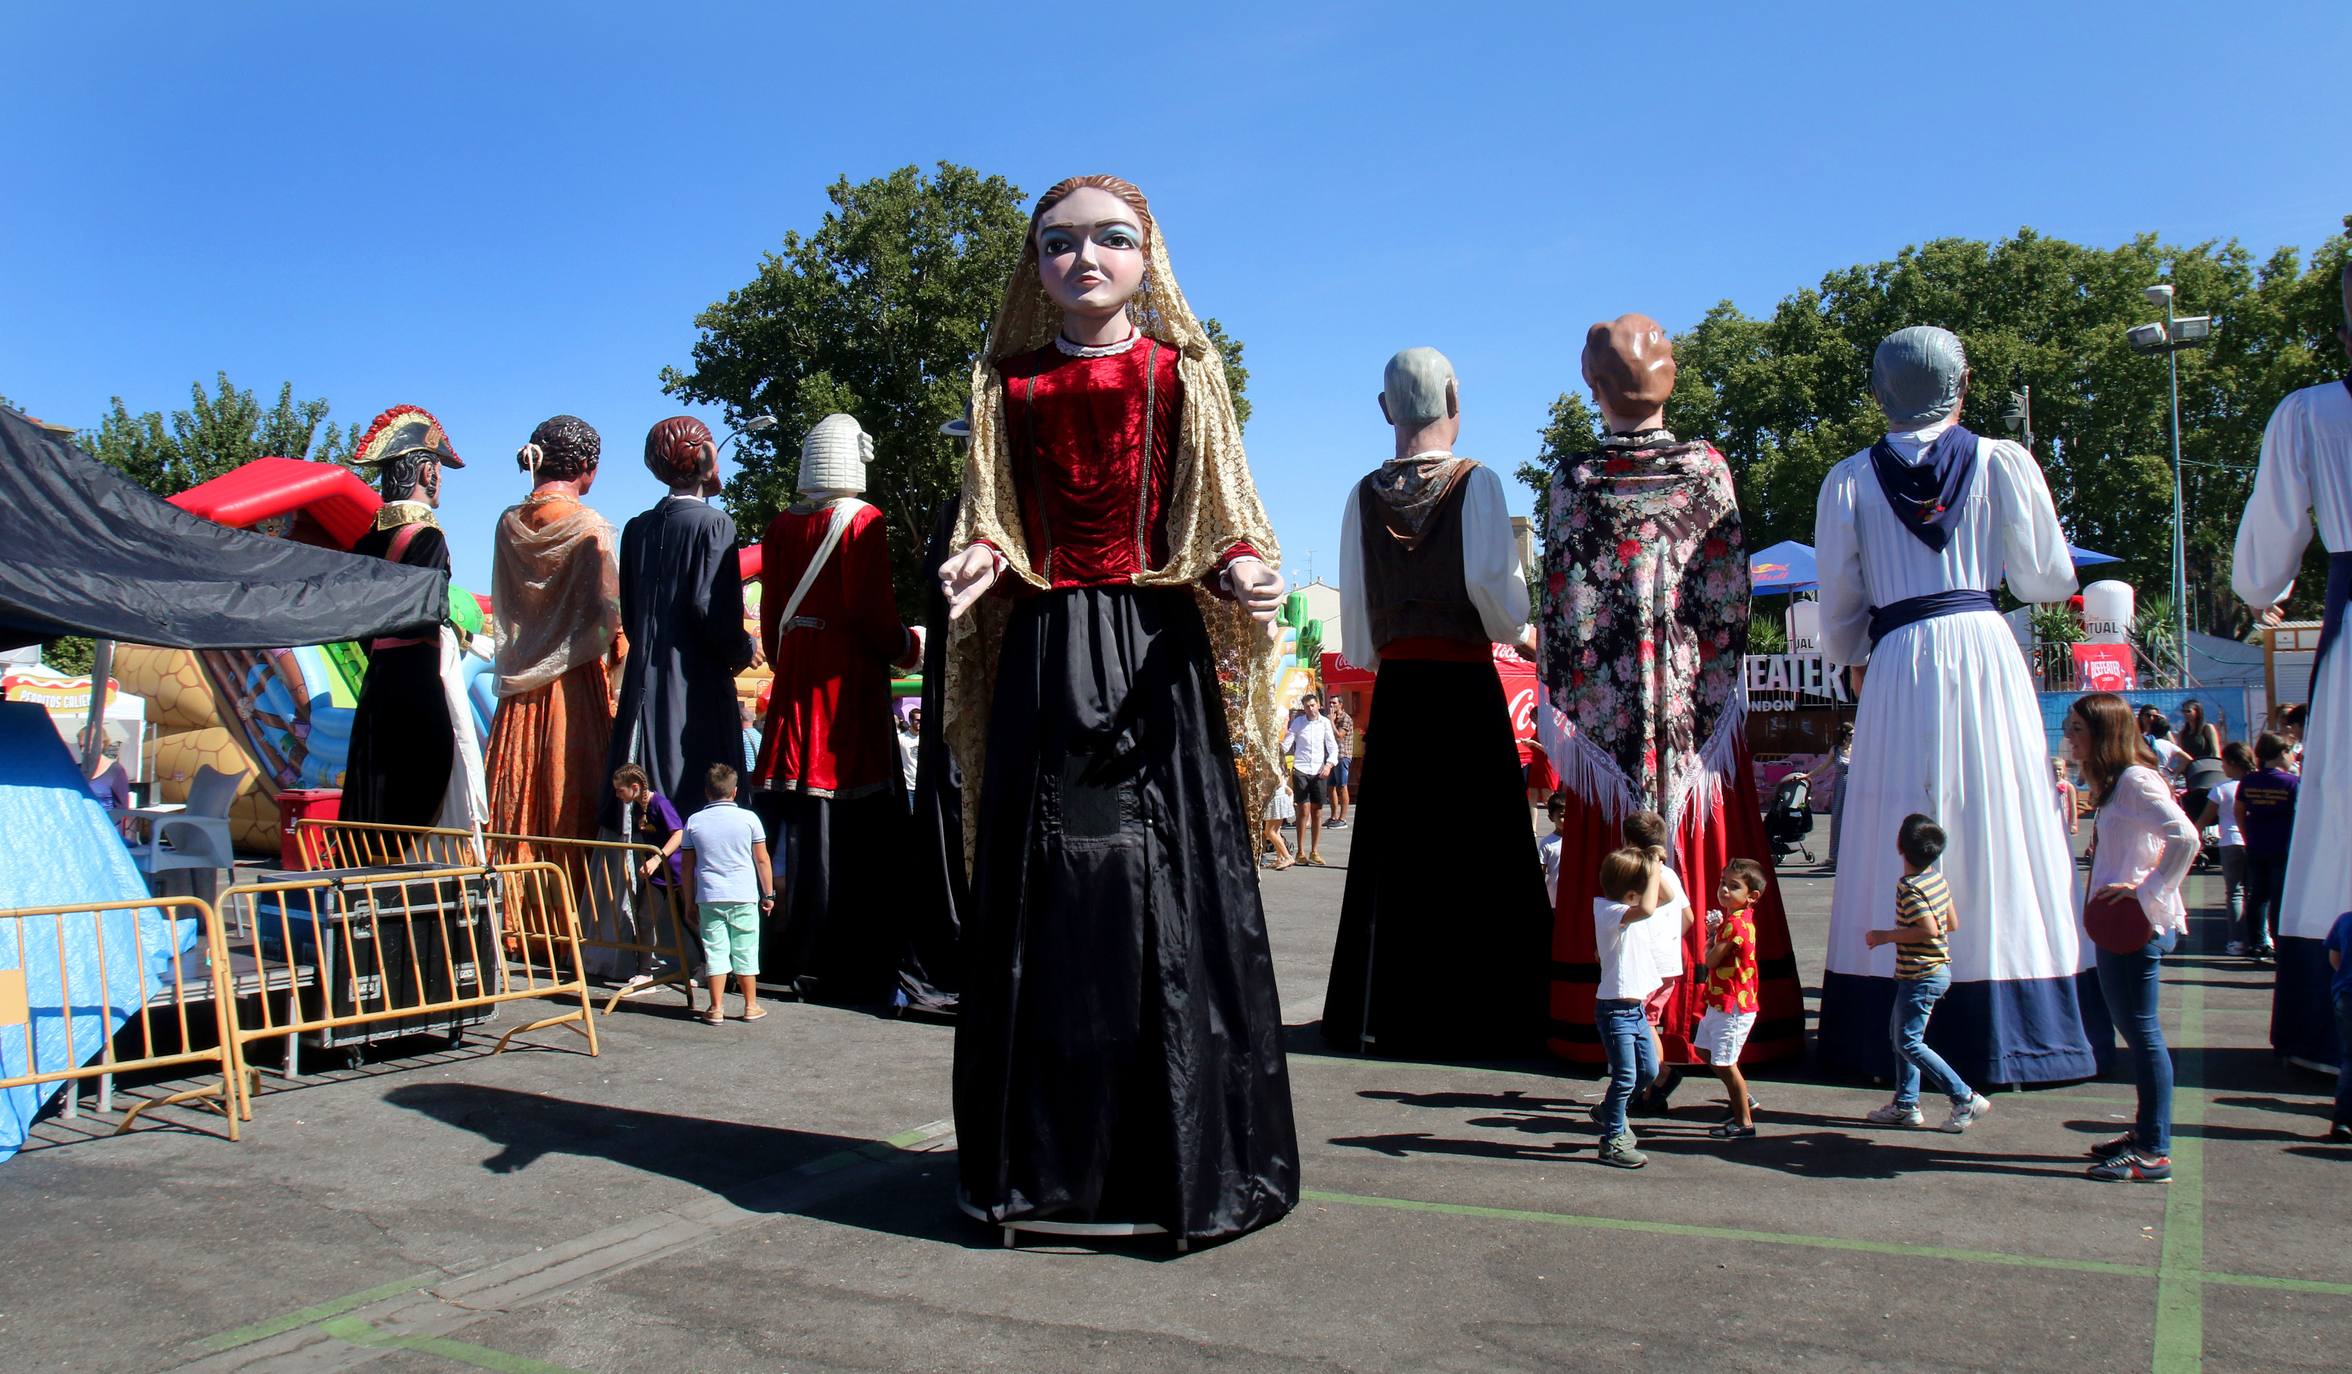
(2221, 813)
(726, 851)
(1647, 830)
(1632, 905)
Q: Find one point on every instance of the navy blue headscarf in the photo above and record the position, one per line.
(1926, 495)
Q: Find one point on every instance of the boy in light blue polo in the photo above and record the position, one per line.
(726, 853)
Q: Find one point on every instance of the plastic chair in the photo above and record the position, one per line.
(190, 836)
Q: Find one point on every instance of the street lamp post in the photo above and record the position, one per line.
(2169, 338)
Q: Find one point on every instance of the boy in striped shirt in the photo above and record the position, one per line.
(1924, 922)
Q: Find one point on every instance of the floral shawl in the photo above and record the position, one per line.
(1645, 617)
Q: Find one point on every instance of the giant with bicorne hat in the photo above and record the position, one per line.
(410, 763)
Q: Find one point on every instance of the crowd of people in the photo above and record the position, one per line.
(1098, 759)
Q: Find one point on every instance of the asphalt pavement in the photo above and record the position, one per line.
(779, 1196)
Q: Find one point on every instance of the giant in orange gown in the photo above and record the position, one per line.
(555, 601)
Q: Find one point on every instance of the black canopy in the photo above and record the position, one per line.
(83, 550)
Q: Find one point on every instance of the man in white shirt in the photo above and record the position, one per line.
(1313, 749)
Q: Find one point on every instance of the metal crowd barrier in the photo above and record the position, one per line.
(372, 956)
(630, 920)
(107, 966)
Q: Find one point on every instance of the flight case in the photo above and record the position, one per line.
(376, 947)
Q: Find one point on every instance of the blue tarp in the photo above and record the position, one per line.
(2169, 700)
(1785, 567)
(57, 848)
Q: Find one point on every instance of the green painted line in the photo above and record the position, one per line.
(1671, 1228)
(2333, 1290)
(2180, 1284)
(247, 1335)
(353, 1331)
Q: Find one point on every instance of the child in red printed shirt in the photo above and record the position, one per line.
(1731, 990)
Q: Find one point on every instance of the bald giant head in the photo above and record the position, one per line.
(1629, 364)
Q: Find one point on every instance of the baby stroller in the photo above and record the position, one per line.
(1789, 819)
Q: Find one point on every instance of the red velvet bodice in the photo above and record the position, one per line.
(1093, 442)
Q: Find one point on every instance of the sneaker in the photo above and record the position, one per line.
(638, 985)
(1966, 1114)
(2265, 952)
(1316, 859)
(2339, 1134)
(2132, 1167)
(1753, 1107)
(1618, 1153)
(2236, 949)
(1895, 1114)
(1732, 1130)
(1335, 825)
(2108, 1149)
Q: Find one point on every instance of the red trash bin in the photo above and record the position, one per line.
(294, 804)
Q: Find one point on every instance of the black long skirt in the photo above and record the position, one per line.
(930, 974)
(401, 740)
(837, 933)
(1444, 935)
(1118, 1055)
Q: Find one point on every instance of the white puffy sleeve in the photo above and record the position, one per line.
(1490, 557)
(2034, 556)
(1837, 559)
(2276, 527)
(1355, 618)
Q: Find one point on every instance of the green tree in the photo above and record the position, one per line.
(217, 432)
(878, 313)
(1787, 396)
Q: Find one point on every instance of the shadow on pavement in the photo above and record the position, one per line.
(757, 1168)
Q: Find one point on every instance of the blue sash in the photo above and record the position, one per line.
(1885, 620)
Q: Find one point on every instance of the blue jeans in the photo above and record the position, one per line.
(2343, 1059)
(2129, 982)
(1633, 1061)
(1915, 999)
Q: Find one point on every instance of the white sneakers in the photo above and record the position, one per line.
(1966, 1113)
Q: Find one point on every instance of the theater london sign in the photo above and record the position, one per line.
(1785, 682)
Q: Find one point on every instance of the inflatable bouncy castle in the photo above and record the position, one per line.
(281, 716)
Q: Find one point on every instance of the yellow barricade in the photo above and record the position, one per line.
(633, 921)
(413, 952)
(75, 967)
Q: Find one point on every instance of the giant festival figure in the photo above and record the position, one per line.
(828, 774)
(1436, 958)
(930, 975)
(1911, 536)
(556, 610)
(1644, 621)
(682, 609)
(2303, 485)
(413, 760)
(1119, 1064)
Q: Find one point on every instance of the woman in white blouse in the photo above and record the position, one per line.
(2145, 845)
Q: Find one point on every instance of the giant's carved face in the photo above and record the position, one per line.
(1090, 253)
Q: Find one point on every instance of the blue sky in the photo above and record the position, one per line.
(502, 211)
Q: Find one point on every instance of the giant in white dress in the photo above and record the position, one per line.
(1949, 725)
(2306, 470)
